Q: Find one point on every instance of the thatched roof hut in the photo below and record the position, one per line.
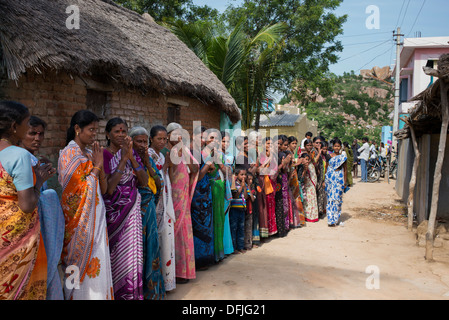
(426, 115)
(424, 140)
(113, 44)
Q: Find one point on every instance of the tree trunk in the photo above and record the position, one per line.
(257, 118)
(439, 164)
(412, 184)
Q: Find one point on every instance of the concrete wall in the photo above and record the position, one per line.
(405, 165)
(428, 145)
(420, 79)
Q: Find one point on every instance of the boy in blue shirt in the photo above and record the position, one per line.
(238, 209)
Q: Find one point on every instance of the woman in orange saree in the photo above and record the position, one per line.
(183, 176)
(85, 256)
(23, 262)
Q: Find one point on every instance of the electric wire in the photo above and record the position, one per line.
(416, 19)
(379, 55)
(365, 50)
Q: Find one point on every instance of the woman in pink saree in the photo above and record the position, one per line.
(183, 171)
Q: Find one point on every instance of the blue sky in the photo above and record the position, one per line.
(365, 48)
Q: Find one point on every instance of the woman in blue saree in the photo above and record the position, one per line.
(153, 281)
(202, 216)
(335, 183)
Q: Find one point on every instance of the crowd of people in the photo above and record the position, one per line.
(145, 212)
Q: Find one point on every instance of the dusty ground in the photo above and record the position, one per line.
(318, 262)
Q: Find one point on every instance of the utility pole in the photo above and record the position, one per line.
(397, 80)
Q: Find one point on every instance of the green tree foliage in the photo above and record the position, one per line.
(243, 63)
(349, 92)
(169, 10)
(258, 48)
(310, 42)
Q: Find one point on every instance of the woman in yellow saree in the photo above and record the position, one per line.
(23, 262)
(85, 256)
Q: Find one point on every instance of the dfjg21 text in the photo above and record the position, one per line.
(241, 310)
(237, 309)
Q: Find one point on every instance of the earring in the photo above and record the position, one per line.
(77, 133)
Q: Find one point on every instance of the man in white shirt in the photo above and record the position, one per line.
(372, 150)
(364, 156)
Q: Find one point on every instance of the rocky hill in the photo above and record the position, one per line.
(359, 106)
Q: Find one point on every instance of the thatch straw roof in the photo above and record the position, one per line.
(429, 103)
(112, 43)
(425, 116)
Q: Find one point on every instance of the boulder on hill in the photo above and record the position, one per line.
(383, 73)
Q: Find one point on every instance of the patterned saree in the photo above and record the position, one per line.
(153, 286)
(310, 199)
(183, 186)
(85, 256)
(165, 223)
(203, 223)
(124, 222)
(23, 262)
(335, 182)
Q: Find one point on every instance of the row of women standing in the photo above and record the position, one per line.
(122, 227)
(306, 186)
(143, 233)
(101, 232)
(325, 178)
(130, 222)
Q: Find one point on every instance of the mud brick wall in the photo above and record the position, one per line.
(55, 97)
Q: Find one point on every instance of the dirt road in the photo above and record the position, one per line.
(371, 256)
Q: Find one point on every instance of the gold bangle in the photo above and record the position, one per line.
(96, 168)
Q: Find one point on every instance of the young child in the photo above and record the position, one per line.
(238, 208)
(249, 211)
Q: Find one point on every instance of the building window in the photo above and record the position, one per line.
(98, 102)
(173, 113)
(431, 64)
(403, 91)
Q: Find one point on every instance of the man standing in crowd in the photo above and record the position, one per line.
(355, 151)
(364, 156)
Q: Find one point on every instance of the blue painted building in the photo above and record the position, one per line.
(387, 134)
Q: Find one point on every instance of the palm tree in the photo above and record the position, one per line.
(245, 65)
